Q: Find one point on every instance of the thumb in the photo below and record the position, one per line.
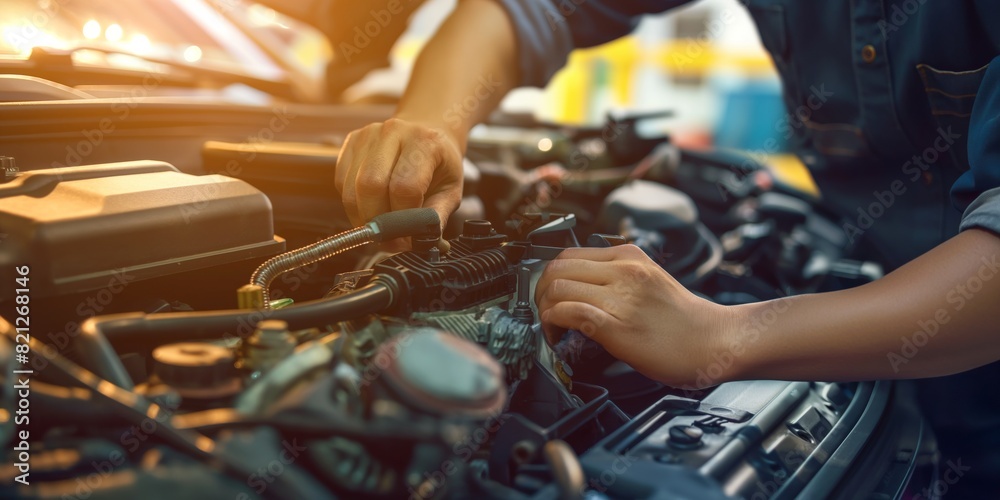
(444, 202)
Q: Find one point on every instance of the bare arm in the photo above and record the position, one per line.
(946, 304)
(465, 69)
(415, 159)
(937, 315)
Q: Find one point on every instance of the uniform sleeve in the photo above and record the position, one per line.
(977, 191)
(547, 30)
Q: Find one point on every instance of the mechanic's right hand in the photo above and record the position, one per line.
(399, 164)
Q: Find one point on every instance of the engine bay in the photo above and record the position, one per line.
(207, 324)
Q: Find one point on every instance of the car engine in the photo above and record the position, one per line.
(202, 334)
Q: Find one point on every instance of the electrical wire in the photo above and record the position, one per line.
(321, 250)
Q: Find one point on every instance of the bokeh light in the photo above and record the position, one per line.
(113, 33)
(91, 29)
(192, 53)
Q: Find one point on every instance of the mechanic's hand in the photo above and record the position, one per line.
(399, 164)
(624, 301)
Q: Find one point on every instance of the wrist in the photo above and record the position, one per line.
(726, 345)
(453, 130)
(753, 325)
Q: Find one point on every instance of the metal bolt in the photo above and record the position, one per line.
(523, 451)
(250, 297)
(522, 309)
(8, 169)
(269, 344)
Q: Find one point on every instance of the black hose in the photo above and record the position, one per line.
(102, 338)
(385, 227)
(137, 332)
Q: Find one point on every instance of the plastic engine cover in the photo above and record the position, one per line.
(78, 226)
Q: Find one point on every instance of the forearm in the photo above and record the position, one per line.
(465, 69)
(935, 316)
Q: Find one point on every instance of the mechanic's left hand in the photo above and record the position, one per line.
(623, 300)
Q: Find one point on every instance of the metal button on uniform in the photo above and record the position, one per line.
(868, 53)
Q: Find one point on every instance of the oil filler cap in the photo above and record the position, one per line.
(436, 372)
(194, 365)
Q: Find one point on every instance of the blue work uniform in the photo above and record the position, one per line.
(894, 106)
